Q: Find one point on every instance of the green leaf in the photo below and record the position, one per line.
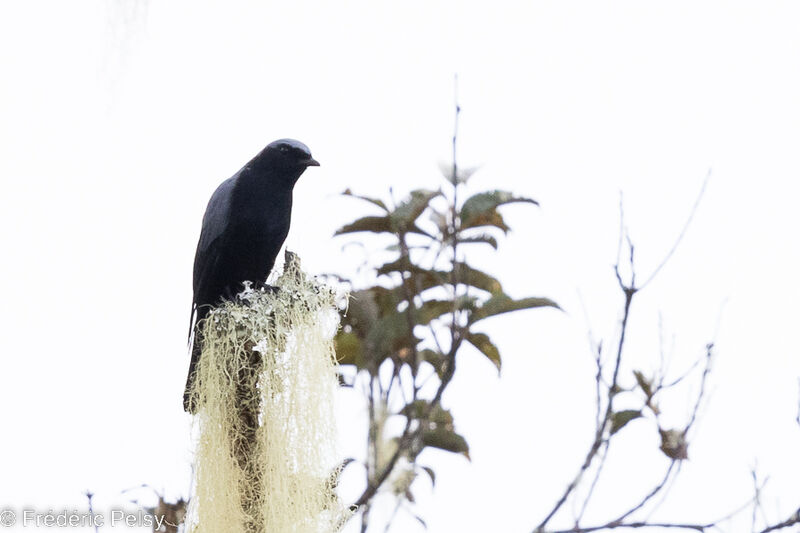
(408, 212)
(375, 224)
(437, 418)
(620, 418)
(502, 303)
(421, 279)
(432, 309)
(483, 238)
(401, 264)
(447, 440)
(475, 278)
(489, 218)
(645, 384)
(382, 331)
(414, 409)
(387, 299)
(481, 209)
(435, 358)
(348, 349)
(390, 335)
(375, 201)
(482, 342)
(428, 279)
(674, 444)
(441, 418)
(365, 308)
(372, 223)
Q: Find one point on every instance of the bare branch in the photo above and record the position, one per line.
(650, 495)
(635, 525)
(394, 514)
(622, 230)
(701, 393)
(602, 440)
(599, 439)
(574, 483)
(789, 522)
(665, 491)
(682, 233)
(676, 381)
(757, 508)
(410, 433)
(377, 481)
(597, 352)
(595, 479)
(598, 379)
(619, 524)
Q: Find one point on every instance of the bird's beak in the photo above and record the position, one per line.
(311, 162)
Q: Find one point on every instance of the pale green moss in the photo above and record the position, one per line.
(265, 448)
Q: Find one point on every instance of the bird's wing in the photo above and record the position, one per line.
(215, 220)
(214, 224)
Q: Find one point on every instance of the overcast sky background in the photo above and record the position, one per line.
(117, 121)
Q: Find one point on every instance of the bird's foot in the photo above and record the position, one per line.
(263, 286)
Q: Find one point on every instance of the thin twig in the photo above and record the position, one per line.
(680, 378)
(665, 492)
(410, 434)
(601, 442)
(573, 484)
(629, 291)
(756, 499)
(403, 390)
(392, 517)
(792, 520)
(598, 379)
(595, 479)
(735, 512)
(454, 220)
(618, 524)
(650, 495)
(706, 371)
(395, 376)
(682, 233)
(635, 525)
(372, 453)
(597, 350)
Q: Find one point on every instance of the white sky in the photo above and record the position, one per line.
(116, 124)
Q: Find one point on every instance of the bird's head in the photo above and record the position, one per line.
(290, 155)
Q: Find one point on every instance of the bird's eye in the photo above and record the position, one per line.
(284, 148)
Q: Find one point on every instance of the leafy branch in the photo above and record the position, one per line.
(403, 333)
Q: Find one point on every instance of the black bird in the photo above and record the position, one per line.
(245, 224)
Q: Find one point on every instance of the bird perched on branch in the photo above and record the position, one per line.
(245, 224)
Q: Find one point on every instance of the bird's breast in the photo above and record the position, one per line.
(259, 229)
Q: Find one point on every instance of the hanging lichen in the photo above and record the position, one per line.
(265, 457)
